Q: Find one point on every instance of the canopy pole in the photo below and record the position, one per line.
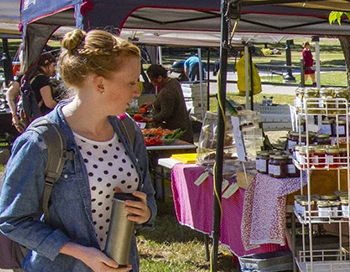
(208, 77)
(251, 92)
(246, 65)
(160, 55)
(220, 134)
(316, 39)
(6, 62)
(201, 81)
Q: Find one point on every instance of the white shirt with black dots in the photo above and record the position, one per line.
(108, 166)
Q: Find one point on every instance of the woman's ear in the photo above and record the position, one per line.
(99, 83)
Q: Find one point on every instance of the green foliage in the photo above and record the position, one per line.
(337, 16)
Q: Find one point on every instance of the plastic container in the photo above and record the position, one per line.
(269, 261)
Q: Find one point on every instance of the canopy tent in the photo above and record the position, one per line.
(255, 16)
(41, 18)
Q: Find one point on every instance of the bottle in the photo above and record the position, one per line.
(120, 231)
(264, 101)
(269, 101)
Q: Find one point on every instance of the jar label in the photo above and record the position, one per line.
(327, 129)
(291, 169)
(291, 144)
(329, 159)
(340, 130)
(261, 165)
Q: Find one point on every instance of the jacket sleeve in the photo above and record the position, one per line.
(146, 186)
(22, 189)
(167, 104)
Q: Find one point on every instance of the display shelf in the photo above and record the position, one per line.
(309, 213)
(325, 217)
(330, 260)
(320, 166)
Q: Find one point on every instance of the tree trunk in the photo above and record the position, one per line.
(345, 44)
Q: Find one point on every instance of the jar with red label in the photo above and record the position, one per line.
(332, 157)
(343, 156)
(306, 156)
(319, 157)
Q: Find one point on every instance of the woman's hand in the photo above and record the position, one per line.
(146, 105)
(147, 120)
(138, 210)
(93, 258)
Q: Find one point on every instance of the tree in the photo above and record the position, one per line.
(337, 16)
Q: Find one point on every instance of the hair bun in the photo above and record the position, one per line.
(73, 39)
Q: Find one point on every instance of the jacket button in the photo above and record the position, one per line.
(65, 176)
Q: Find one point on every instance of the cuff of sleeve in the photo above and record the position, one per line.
(51, 246)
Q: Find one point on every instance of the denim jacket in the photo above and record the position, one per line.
(70, 202)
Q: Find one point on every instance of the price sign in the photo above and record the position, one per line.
(241, 152)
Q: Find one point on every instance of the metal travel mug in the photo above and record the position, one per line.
(120, 230)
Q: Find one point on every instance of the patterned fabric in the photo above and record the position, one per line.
(264, 219)
(194, 208)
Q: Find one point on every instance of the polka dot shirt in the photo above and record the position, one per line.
(108, 166)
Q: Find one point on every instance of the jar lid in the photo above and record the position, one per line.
(322, 136)
(332, 150)
(316, 197)
(328, 197)
(264, 154)
(342, 122)
(326, 122)
(293, 133)
(334, 202)
(344, 201)
(344, 197)
(305, 202)
(300, 197)
(320, 149)
(280, 158)
(323, 203)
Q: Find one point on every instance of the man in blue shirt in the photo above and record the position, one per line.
(191, 66)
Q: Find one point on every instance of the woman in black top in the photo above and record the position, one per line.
(41, 84)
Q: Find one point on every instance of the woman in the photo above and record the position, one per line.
(308, 63)
(169, 108)
(46, 67)
(103, 70)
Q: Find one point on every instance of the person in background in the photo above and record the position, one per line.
(103, 71)
(40, 83)
(169, 107)
(308, 63)
(191, 66)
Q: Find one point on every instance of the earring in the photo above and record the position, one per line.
(102, 92)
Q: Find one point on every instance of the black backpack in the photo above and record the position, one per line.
(11, 253)
(27, 106)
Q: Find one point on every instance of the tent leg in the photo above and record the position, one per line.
(220, 136)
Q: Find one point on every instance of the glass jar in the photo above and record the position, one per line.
(325, 94)
(319, 158)
(304, 207)
(262, 162)
(302, 126)
(341, 93)
(323, 139)
(343, 155)
(339, 128)
(335, 208)
(281, 167)
(327, 127)
(312, 105)
(344, 201)
(296, 155)
(293, 139)
(332, 157)
(325, 209)
(306, 156)
(305, 135)
(272, 166)
(292, 170)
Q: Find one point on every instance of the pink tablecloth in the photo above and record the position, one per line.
(194, 208)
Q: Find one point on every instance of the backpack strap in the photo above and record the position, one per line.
(128, 128)
(57, 155)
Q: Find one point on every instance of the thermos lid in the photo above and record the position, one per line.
(125, 196)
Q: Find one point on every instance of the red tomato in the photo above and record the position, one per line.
(138, 117)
